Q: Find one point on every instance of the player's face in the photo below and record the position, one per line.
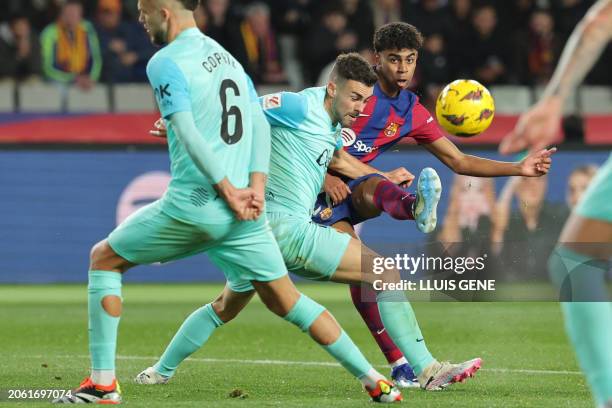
(396, 67)
(154, 20)
(576, 186)
(349, 101)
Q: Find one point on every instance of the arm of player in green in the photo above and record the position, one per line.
(345, 164)
(172, 95)
(260, 152)
(183, 125)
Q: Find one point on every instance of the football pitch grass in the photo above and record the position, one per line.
(527, 361)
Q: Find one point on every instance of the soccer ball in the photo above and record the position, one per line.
(465, 108)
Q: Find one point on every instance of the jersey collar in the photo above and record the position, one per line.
(190, 32)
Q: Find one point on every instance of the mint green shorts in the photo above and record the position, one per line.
(596, 203)
(244, 251)
(310, 250)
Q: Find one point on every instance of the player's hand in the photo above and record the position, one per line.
(336, 189)
(244, 204)
(159, 129)
(242, 201)
(400, 176)
(536, 128)
(537, 164)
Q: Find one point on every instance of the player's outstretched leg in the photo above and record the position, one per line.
(193, 333)
(578, 266)
(377, 194)
(282, 298)
(104, 310)
(401, 372)
(400, 322)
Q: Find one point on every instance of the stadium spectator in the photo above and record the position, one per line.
(201, 18)
(19, 49)
(431, 16)
(486, 52)
(220, 24)
(467, 222)
(328, 39)
(537, 49)
(516, 14)
(360, 20)
(522, 238)
(577, 183)
(70, 48)
(386, 11)
(126, 48)
(433, 70)
(567, 15)
(258, 50)
(292, 17)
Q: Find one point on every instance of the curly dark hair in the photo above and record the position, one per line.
(190, 4)
(397, 36)
(354, 67)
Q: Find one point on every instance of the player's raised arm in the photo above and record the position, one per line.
(539, 126)
(534, 165)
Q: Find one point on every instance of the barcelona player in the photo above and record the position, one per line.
(391, 115)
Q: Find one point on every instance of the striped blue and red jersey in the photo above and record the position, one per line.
(385, 121)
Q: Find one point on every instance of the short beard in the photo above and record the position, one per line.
(160, 38)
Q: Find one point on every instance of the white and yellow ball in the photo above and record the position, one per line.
(465, 108)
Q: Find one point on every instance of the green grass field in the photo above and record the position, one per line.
(527, 360)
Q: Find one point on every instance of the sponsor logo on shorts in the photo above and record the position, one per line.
(272, 101)
(348, 137)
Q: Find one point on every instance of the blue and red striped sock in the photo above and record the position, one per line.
(393, 200)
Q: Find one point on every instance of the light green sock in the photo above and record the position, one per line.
(192, 335)
(305, 312)
(102, 326)
(349, 356)
(401, 324)
(588, 318)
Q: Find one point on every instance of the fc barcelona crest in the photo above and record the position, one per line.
(326, 214)
(391, 129)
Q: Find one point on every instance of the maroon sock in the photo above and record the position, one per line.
(396, 202)
(371, 316)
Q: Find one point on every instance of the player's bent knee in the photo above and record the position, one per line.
(112, 305)
(304, 313)
(102, 257)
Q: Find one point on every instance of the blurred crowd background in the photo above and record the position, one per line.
(73, 73)
(291, 42)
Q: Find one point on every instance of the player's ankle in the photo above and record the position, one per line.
(371, 378)
(103, 377)
(400, 361)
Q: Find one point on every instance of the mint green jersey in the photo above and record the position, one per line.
(194, 73)
(303, 142)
